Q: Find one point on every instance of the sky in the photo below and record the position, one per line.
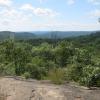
(49, 15)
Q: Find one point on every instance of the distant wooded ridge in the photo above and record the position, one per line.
(42, 34)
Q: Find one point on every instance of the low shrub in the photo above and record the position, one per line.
(26, 75)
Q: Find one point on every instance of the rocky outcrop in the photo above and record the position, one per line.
(15, 89)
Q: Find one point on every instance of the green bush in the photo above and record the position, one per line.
(98, 82)
(36, 71)
(26, 75)
(74, 72)
(91, 76)
(7, 69)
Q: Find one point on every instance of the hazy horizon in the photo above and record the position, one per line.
(51, 31)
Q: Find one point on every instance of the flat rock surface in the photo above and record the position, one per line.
(16, 89)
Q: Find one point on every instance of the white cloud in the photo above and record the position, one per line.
(13, 19)
(5, 2)
(39, 11)
(27, 7)
(70, 2)
(95, 2)
(44, 12)
(95, 13)
(23, 19)
(41, 1)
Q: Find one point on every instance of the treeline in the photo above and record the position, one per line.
(72, 59)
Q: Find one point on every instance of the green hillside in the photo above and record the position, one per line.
(43, 35)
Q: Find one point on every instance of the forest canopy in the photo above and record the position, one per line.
(70, 59)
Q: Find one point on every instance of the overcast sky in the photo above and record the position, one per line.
(52, 15)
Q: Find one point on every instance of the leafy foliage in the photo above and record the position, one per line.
(71, 59)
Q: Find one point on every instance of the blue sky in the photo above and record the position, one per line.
(49, 15)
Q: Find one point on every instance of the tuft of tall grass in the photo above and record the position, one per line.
(57, 75)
